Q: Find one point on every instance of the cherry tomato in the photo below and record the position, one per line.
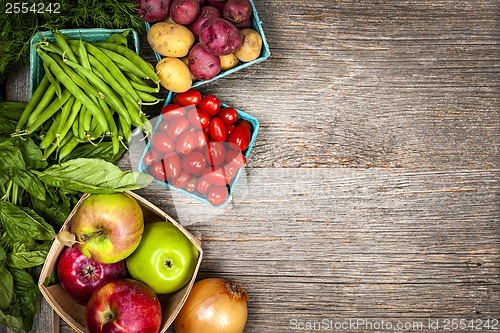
(151, 156)
(217, 195)
(199, 118)
(191, 185)
(227, 115)
(194, 163)
(201, 140)
(230, 171)
(214, 176)
(187, 142)
(171, 111)
(236, 158)
(230, 129)
(162, 143)
(245, 123)
(215, 153)
(211, 104)
(218, 130)
(241, 136)
(190, 97)
(172, 163)
(182, 180)
(202, 185)
(177, 127)
(157, 169)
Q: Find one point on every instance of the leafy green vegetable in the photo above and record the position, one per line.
(102, 150)
(6, 288)
(22, 223)
(25, 298)
(17, 29)
(93, 175)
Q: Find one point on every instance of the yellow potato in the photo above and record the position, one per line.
(174, 74)
(170, 39)
(228, 61)
(252, 44)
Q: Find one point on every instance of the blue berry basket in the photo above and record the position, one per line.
(264, 53)
(88, 35)
(241, 115)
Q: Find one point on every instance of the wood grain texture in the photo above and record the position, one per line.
(372, 191)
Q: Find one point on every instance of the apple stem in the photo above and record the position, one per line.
(86, 238)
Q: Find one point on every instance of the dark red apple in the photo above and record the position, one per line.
(80, 275)
(123, 305)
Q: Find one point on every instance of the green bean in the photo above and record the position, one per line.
(63, 44)
(144, 87)
(146, 125)
(34, 123)
(73, 88)
(75, 124)
(125, 131)
(134, 57)
(111, 67)
(50, 136)
(68, 147)
(124, 64)
(44, 103)
(135, 78)
(135, 118)
(77, 79)
(120, 39)
(113, 130)
(72, 115)
(34, 100)
(106, 76)
(111, 97)
(52, 79)
(53, 48)
(81, 119)
(147, 98)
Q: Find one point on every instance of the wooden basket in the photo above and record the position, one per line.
(74, 313)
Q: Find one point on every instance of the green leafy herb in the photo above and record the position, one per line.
(93, 175)
(22, 223)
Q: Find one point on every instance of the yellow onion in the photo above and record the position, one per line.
(213, 306)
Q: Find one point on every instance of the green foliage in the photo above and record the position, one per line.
(17, 29)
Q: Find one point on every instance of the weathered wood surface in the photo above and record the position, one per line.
(372, 192)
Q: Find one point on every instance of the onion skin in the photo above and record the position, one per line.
(214, 305)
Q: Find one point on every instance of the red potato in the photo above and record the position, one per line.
(237, 11)
(153, 10)
(205, 13)
(219, 4)
(202, 64)
(184, 11)
(220, 37)
(245, 24)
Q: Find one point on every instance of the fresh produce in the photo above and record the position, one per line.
(86, 95)
(123, 305)
(108, 227)
(214, 305)
(170, 39)
(18, 28)
(206, 12)
(202, 64)
(228, 61)
(198, 146)
(153, 10)
(237, 11)
(184, 11)
(219, 36)
(251, 47)
(80, 276)
(174, 74)
(36, 196)
(165, 259)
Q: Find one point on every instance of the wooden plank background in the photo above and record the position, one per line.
(372, 192)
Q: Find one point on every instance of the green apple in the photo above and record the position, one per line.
(165, 259)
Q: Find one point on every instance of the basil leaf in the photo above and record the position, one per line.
(7, 126)
(22, 223)
(15, 323)
(11, 157)
(3, 255)
(6, 288)
(32, 155)
(27, 259)
(92, 176)
(102, 150)
(53, 210)
(28, 181)
(26, 294)
(50, 280)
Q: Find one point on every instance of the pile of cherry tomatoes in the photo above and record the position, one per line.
(198, 146)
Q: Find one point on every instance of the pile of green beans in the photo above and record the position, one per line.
(90, 92)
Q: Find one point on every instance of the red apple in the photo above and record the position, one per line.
(123, 305)
(80, 276)
(108, 227)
